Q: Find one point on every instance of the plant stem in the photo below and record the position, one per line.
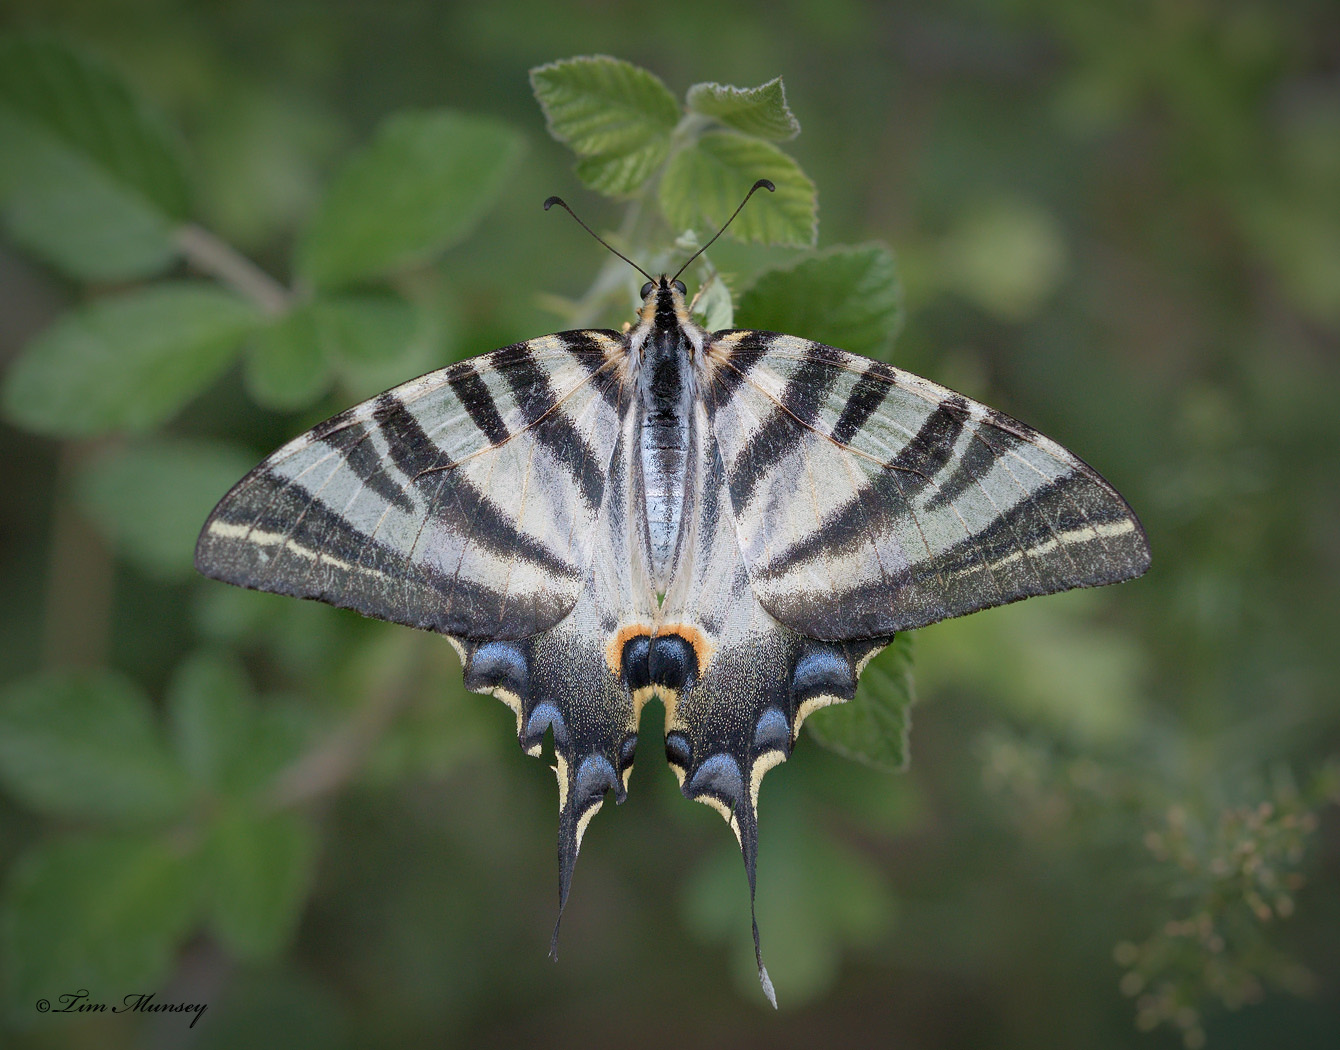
(215, 257)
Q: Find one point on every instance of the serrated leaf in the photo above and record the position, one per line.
(613, 114)
(149, 499)
(260, 867)
(872, 726)
(845, 297)
(104, 914)
(86, 745)
(618, 175)
(287, 363)
(91, 179)
(421, 185)
(760, 111)
(705, 183)
(126, 362)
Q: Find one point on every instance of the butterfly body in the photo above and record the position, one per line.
(734, 522)
(665, 345)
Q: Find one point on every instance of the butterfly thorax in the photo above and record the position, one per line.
(664, 344)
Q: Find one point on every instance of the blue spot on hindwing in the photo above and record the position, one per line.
(823, 669)
(634, 662)
(627, 751)
(499, 664)
(543, 717)
(719, 775)
(672, 662)
(594, 777)
(773, 731)
(678, 750)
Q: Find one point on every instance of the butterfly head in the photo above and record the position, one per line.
(663, 304)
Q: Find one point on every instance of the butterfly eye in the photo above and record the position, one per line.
(679, 287)
(645, 289)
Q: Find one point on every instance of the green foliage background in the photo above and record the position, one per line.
(221, 223)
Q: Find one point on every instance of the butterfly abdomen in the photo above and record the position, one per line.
(665, 436)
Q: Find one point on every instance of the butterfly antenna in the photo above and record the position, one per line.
(760, 184)
(564, 205)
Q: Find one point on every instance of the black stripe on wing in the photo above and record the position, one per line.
(943, 507)
(369, 511)
(869, 393)
(785, 427)
(888, 495)
(554, 430)
(353, 442)
(1003, 563)
(478, 402)
(271, 535)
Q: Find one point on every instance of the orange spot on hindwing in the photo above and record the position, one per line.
(660, 660)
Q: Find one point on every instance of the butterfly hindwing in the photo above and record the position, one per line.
(867, 500)
(581, 680)
(737, 684)
(461, 502)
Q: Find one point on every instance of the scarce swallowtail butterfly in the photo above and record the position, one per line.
(735, 522)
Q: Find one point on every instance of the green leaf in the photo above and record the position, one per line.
(379, 340)
(704, 184)
(365, 338)
(760, 111)
(421, 185)
(287, 364)
(86, 745)
(617, 176)
(132, 361)
(715, 307)
(260, 869)
(872, 726)
(105, 914)
(227, 743)
(366, 329)
(212, 716)
(150, 499)
(849, 298)
(90, 179)
(614, 115)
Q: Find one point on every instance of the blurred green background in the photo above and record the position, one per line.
(1118, 221)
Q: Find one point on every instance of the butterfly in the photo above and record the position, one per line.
(735, 522)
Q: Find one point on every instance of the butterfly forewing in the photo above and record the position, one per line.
(867, 500)
(463, 502)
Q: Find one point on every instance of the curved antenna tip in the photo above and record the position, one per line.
(564, 205)
(761, 184)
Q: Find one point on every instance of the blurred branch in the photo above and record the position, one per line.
(218, 259)
(333, 761)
